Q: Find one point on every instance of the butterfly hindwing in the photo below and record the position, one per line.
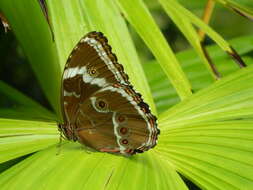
(114, 114)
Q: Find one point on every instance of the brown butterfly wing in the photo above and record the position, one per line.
(86, 72)
(115, 119)
(90, 69)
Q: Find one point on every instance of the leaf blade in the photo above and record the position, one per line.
(20, 137)
(213, 134)
(113, 172)
(144, 24)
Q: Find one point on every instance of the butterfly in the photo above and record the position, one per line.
(100, 108)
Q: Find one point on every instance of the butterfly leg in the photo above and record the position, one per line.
(60, 143)
(87, 151)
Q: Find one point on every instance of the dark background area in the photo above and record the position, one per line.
(16, 71)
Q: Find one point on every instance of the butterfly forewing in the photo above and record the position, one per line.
(100, 107)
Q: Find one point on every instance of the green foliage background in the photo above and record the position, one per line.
(206, 136)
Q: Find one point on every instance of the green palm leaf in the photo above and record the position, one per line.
(90, 171)
(207, 138)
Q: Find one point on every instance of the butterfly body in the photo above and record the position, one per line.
(100, 107)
